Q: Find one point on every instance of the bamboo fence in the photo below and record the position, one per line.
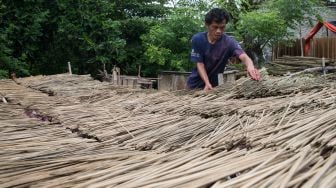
(291, 64)
(72, 131)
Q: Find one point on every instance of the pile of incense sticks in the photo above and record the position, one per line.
(279, 133)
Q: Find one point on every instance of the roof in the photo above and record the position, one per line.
(333, 22)
(66, 131)
(328, 15)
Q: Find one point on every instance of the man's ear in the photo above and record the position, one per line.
(206, 25)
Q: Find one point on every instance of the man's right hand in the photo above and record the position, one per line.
(208, 87)
(204, 75)
(253, 73)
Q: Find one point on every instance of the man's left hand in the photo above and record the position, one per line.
(253, 73)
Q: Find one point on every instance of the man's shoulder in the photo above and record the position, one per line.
(198, 36)
(228, 38)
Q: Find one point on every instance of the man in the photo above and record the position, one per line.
(211, 51)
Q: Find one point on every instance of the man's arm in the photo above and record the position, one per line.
(202, 72)
(252, 72)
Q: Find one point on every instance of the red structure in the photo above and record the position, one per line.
(328, 25)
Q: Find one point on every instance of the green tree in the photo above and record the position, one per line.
(85, 33)
(238, 7)
(136, 18)
(39, 37)
(261, 23)
(168, 43)
(260, 28)
(20, 32)
(297, 13)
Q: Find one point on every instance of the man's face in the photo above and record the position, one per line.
(216, 30)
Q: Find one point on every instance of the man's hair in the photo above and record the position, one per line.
(216, 15)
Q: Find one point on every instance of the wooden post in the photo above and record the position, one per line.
(118, 76)
(231, 77)
(69, 67)
(130, 83)
(124, 81)
(173, 82)
(139, 71)
(104, 69)
(328, 55)
(4, 100)
(13, 76)
(220, 79)
(115, 76)
(301, 42)
(323, 66)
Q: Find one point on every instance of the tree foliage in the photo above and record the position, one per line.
(238, 7)
(167, 44)
(89, 33)
(259, 28)
(269, 22)
(40, 37)
(296, 12)
(21, 31)
(263, 27)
